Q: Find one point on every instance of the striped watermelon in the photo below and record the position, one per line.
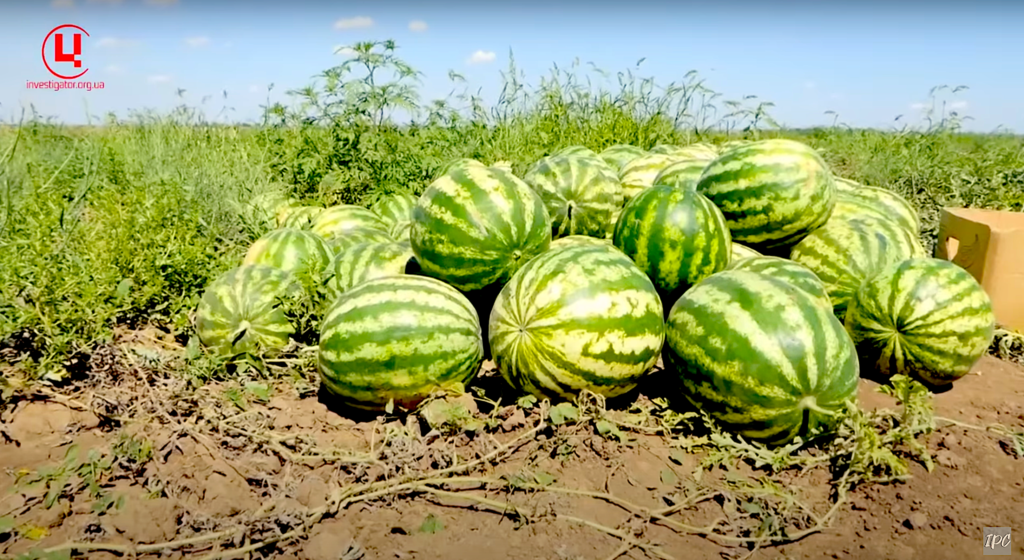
(365, 261)
(283, 208)
(580, 151)
(772, 192)
(400, 231)
(358, 236)
(640, 172)
(664, 149)
(301, 217)
(394, 208)
(846, 184)
(879, 202)
(581, 316)
(923, 317)
(791, 272)
(458, 163)
(726, 146)
(701, 152)
(678, 237)
(476, 226)
(580, 194)
(241, 311)
(502, 164)
(845, 253)
(291, 250)
(763, 358)
(740, 251)
(580, 239)
(335, 221)
(398, 338)
(683, 174)
(619, 155)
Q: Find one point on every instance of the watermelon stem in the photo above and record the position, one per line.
(810, 402)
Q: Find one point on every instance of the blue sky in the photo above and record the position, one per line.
(868, 61)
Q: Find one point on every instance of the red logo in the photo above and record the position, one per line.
(59, 52)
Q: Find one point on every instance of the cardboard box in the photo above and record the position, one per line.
(990, 245)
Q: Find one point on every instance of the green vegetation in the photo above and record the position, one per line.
(127, 222)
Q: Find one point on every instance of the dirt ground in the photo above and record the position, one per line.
(268, 470)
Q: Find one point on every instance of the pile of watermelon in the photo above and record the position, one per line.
(765, 283)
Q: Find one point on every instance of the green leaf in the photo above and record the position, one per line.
(526, 401)
(562, 413)
(608, 429)
(261, 391)
(431, 525)
(677, 456)
(7, 524)
(668, 477)
(123, 288)
(192, 348)
(543, 478)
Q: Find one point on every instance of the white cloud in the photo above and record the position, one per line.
(481, 57)
(196, 42)
(957, 105)
(114, 69)
(115, 43)
(63, 3)
(159, 79)
(836, 96)
(417, 25)
(810, 85)
(919, 106)
(255, 89)
(342, 50)
(353, 23)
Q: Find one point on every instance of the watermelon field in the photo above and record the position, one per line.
(580, 323)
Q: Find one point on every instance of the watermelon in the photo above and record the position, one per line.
(664, 149)
(580, 239)
(580, 194)
(846, 184)
(291, 250)
(398, 339)
(400, 231)
(459, 163)
(683, 174)
(793, 273)
(701, 152)
(301, 217)
(923, 317)
(268, 207)
(619, 155)
(640, 172)
(740, 251)
(580, 316)
(772, 192)
(357, 236)
(677, 237)
(505, 165)
(394, 208)
(762, 358)
(845, 253)
(475, 226)
(365, 261)
(335, 221)
(879, 202)
(581, 151)
(242, 312)
(726, 146)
